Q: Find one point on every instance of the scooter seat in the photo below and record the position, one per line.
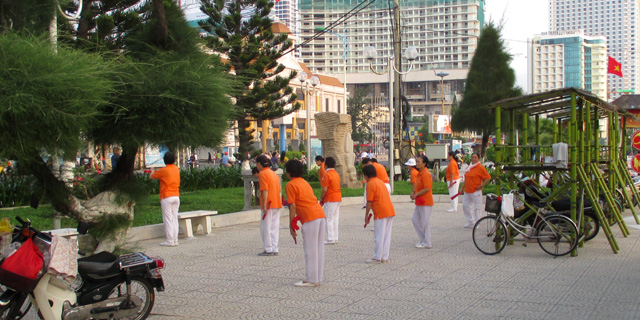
(102, 263)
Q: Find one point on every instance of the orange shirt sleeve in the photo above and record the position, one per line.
(301, 194)
(425, 182)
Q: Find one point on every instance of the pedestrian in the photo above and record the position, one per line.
(114, 158)
(413, 172)
(379, 202)
(225, 160)
(382, 173)
(423, 196)
(270, 204)
(365, 162)
(321, 170)
(475, 178)
(452, 177)
(304, 204)
(275, 161)
(210, 160)
(169, 177)
(283, 157)
(331, 197)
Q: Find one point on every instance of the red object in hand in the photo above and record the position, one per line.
(264, 215)
(321, 203)
(455, 196)
(365, 224)
(420, 201)
(284, 201)
(294, 223)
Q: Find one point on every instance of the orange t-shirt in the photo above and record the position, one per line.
(424, 182)
(452, 168)
(300, 193)
(169, 177)
(413, 175)
(381, 172)
(321, 172)
(473, 178)
(331, 181)
(378, 195)
(269, 181)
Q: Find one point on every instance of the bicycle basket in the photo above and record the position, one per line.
(492, 204)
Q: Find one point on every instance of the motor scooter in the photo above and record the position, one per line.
(106, 287)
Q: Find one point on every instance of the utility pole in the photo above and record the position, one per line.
(396, 103)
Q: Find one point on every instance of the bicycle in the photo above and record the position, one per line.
(557, 235)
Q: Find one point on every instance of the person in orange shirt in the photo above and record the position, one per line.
(379, 202)
(452, 176)
(381, 171)
(475, 178)
(169, 177)
(332, 197)
(413, 172)
(423, 195)
(321, 171)
(270, 204)
(304, 204)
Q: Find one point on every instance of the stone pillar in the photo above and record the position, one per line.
(252, 189)
(335, 132)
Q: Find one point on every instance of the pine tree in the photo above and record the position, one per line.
(360, 109)
(241, 32)
(490, 79)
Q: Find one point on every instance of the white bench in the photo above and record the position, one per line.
(189, 221)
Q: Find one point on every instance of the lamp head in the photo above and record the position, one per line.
(370, 52)
(303, 76)
(315, 81)
(411, 53)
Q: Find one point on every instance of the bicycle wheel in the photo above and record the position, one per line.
(557, 235)
(490, 235)
(591, 226)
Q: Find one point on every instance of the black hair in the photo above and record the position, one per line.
(263, 161)
(274, 153)
(169, 158)
(319, 158)
(255, 170)
(374, 160)
(330, 162)
(452, 154)
(369, 171)
(294, 168)
(282, 156)
(424, 158)
(365, 161)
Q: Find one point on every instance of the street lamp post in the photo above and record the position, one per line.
(443, 74)
(304, 85)
(411, 54)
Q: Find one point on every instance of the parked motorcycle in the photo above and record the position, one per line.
(106, 287)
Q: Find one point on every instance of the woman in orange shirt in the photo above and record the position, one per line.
(452, 176)
(423, 195)
(378, 201)
(270, 204)
(321, 167)
(475, 178)
(169, 177)
(413, 172)
(304, 204)
(332, 197)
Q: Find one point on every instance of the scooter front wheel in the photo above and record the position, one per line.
(141, 288)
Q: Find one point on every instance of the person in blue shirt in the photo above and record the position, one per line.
(114, 158)
(225, 160)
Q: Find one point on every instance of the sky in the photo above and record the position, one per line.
(522, 20)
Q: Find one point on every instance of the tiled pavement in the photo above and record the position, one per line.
(221, 277)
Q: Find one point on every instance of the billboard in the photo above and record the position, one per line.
(440, 124)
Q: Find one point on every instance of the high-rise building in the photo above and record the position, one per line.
(617, 21)
(445, 33)
(568, 59)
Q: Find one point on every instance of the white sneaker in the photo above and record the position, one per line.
(451, 210)
(168, 244)
(468, 225)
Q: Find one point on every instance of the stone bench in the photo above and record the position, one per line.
(189, 221)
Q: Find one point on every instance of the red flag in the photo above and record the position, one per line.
(615, 67)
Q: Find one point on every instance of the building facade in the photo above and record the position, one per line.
(617, 21)
(567, 59)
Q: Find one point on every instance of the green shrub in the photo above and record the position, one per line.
(210, 178)
(15, 190)
(311, 175)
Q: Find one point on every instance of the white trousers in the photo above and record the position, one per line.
(270, 230)
(422, 223)
(332, 211)
(472, 206)
(313, 244)
(453, 190)
(382, 238)
(170, 206)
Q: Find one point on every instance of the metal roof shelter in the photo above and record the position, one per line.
(580, 111)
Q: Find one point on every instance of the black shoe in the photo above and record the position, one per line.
(266, 254)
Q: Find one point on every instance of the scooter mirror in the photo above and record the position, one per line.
(83, 227)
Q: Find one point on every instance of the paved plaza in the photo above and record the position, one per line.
(221, 276)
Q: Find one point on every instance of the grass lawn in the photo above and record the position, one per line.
(225, 200)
